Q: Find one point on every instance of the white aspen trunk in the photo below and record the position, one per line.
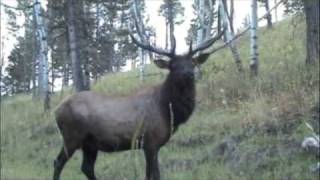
(66, 74)
(141, 65)
(276, 11)
(201, 25)
(1, 50)
(52, 75)
(167, 35)
(43, 56)
(254, 63)
(229, 34)
(34, 64)
(231, 15)
(205, 12)
(138, 18)
(1, 58)
(269, 16)
(203, 31)
(210, 23)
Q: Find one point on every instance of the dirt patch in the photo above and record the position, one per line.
(179, 165)
(194, 141)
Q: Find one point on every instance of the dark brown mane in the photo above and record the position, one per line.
(181, 95)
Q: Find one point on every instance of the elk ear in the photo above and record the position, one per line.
(163, 64)
(201, 58)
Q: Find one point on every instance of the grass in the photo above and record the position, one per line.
(243, 128)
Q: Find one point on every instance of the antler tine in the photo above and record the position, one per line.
(149, 47)
(207, 43)
(143, 42)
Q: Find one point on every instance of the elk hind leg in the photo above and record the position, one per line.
(89, 159)
(61, 160)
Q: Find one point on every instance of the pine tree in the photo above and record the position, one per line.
(173, 12)
(310, 8)
(18, 71)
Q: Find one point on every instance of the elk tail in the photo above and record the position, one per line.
(65, 149)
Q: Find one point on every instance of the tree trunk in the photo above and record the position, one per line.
(254, 63)
(86, 74)
(201, 25)
(205, 13)
(66, 66)
(52, 77)
(219, 21)
(111, 58)
(25, 72)
(229, 34)
(211, 17)
(43, 56)
(138, 18)
(269, 17)
(311, 9)
(167, 36)
(65, 76)
(1, 53)
(141, 65)
(231, 17)
(98, 45)
(171, 25)
(133, 64)
(84, 14)
(65, 80)
(276, 11)
(34, 66)
(74, 49)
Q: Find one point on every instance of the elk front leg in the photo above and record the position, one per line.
(152, 164)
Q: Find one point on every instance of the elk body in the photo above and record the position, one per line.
(95, 122)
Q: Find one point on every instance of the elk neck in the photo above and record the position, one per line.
(177, 99)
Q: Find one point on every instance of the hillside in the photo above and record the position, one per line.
(242, 128)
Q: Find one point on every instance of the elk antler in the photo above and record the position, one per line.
(206, 44)
(148, 47)
(143, 43)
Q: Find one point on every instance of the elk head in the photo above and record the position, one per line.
(180, 66)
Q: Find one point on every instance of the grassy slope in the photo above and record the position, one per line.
(242, 128)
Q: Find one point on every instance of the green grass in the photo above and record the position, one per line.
(243, 128)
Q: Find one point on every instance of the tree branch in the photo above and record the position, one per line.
(16, 8)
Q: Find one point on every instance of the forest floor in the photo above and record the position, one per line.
(243, 128)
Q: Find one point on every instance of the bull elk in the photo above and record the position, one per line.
(95, 122)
